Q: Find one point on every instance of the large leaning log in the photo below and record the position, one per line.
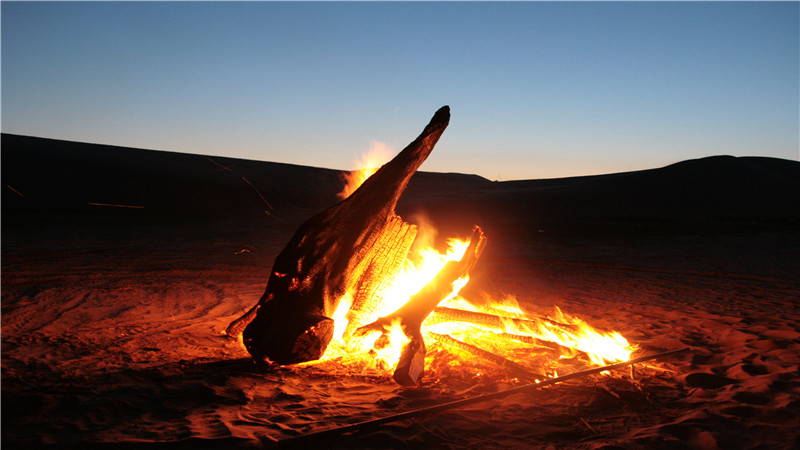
(357, 247)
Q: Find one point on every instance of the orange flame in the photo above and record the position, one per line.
(413, 278)
(365, 166)
(571, 334)
(510, 329)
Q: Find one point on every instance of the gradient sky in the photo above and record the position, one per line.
(536, 90)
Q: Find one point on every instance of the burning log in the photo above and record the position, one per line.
(503, 363)
(356, 247)
(411, 315)
(536, 342)
(561, 350)
(501, 323)
(443, 314)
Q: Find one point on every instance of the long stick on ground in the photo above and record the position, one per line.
(480, 398)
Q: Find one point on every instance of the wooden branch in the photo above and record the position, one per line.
(411, 366)
(506, 364)
(236, 327)
(369, 424)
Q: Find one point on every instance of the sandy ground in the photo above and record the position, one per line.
(113, 318)
(112, 335)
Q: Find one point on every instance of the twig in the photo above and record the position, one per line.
(15, 191)
(609, 391)
(116, 206)
(438, 435)
(228, 168)
(587, 424)
(259, 194)
(480, 398)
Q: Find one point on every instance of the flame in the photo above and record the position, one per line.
(602, 348)
(388, 355)
(569, 334)
(340, 316)
(413, 278)
(365, 166)
(509, 331)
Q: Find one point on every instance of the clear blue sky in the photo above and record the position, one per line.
(536, 90)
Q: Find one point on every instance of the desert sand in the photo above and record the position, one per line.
(121, 269)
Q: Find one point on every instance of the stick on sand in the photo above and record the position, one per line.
(303, 439)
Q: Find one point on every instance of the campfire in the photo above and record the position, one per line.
(359, 285)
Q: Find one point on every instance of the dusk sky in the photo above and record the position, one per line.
(536, 90)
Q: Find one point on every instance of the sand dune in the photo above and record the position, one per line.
(112, 317)
(68, 176)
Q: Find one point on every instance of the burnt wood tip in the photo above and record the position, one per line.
(442, 116)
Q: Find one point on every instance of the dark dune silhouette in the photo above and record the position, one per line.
(62, 176)
(714, 189)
